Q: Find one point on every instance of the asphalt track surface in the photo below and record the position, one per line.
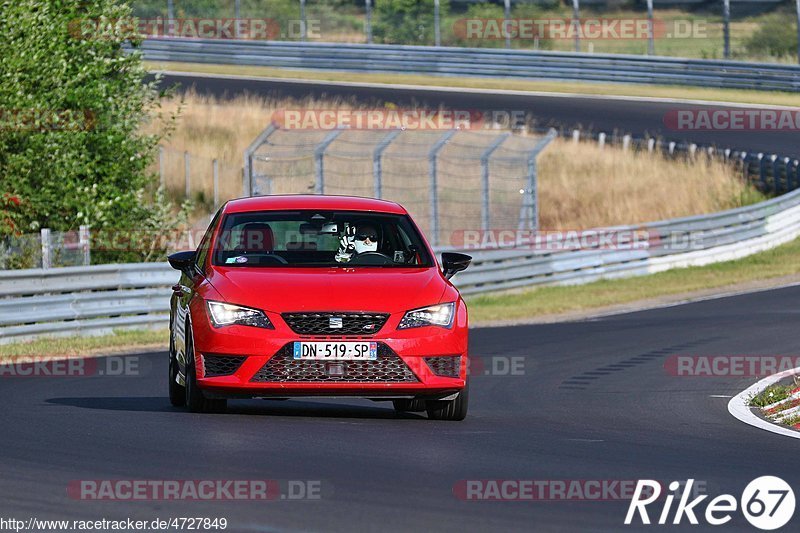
(635, 117)
(594, 402)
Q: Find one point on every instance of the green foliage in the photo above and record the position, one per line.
(73, 105)
(406, 21)
(774, 37)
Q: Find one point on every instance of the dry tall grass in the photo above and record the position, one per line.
(580, 185)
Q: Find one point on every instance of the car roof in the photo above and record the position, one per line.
(313, 201)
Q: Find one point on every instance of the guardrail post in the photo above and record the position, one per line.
(186, 173)
(576, 136)
(215, 172)
(46, 248)
(434, 186)
(651, 144)
(529, 211)
(626, 142)
(601, 140)
(796, 182)
(84, 239)
(247, 174)
(377, 162)
(692, 149)
(368, 21)
(485, 199)
(776, 174)
(319, 160)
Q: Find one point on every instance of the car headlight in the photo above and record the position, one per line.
(435, 315)
(227, 315)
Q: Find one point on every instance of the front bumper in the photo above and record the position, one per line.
(428, 362)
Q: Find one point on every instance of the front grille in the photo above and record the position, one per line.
(446, 367)
(388, 367)
(221, 365)
(361, 324)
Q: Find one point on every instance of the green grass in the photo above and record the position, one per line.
(771, 394)
(79, 346)
(527, 304)
(652, 91)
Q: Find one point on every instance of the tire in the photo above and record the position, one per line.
(409, 406)
(195, 400)
(177, 393)
(449, 409)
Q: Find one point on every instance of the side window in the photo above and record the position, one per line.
(205, 244)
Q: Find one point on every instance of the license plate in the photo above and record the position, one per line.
(341, 351)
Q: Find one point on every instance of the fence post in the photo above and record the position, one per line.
(651, 45)
(377, 162)
(437, 23)
(215, 171)
(161, 171)
(434, 186)
(171, 17)
(46, 248)
(84, 239)
(576, 21)
(368, 21)
(485, 199)
(303, 33)
(247, 171)
(319, 160)
(726, 28)
(186, 174)
(237, 15)
(506, 17)
(529, 211)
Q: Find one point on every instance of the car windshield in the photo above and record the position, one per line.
(319, 239)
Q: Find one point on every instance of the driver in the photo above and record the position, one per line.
(357, 239)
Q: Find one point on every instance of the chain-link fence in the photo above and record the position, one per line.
(46, 249)
(450, 181)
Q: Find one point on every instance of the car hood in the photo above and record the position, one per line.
(283, 290)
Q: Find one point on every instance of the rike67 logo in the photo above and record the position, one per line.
(767, 503)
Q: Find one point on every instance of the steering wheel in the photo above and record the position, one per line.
(371, 258)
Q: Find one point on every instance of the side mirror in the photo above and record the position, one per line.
(453, 263)
(183, 261)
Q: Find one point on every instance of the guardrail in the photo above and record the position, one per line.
(96, 300)
(478, 62)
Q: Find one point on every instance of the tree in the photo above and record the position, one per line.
(406, 21)
(72, 103)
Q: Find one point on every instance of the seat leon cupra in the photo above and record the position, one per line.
(318, 296)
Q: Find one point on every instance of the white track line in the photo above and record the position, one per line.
(472, 90)
(739, 409)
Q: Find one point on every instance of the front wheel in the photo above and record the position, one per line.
(177, 393)
(455, 409)
(195, 400)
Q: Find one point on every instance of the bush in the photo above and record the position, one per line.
(406, 21)
(775, 37)
(73, 108)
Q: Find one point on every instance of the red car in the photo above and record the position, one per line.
(296, 296)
